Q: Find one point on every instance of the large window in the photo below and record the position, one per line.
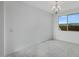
(63, 22)
(69, 22)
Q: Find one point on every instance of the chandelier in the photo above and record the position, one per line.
(56, 8)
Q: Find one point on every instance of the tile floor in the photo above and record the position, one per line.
(51, 48)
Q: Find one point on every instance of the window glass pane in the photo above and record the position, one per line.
(63, 22)
(73, 22)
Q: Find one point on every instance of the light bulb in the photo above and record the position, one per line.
(53, 8)
(59, 7)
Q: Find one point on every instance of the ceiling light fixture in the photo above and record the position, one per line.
(56, 8)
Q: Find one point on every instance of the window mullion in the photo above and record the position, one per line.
(67, 23)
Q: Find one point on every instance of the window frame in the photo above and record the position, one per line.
(67, 20)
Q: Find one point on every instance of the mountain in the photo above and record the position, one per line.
(70, 24)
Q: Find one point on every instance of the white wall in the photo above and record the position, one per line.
(25, 26)
(1, 30)
(70, 36)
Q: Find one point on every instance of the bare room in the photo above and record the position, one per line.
(39, 28)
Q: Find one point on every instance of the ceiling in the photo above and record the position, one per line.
(47, 5)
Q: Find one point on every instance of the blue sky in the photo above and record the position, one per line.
(71, 19)
(63, 20)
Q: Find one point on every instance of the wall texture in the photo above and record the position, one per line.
(25, 26)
